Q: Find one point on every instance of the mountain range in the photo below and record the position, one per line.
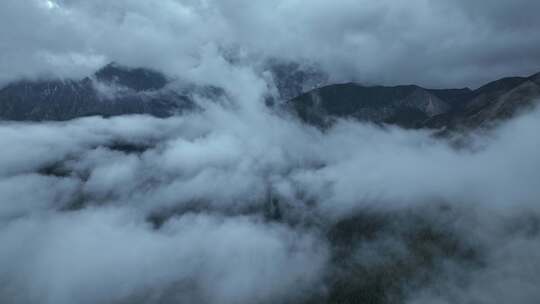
(412, 106)
(113, 90)
(117, 90)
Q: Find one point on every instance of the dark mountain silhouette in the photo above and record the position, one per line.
(113, 90)
(416, 107)
(495, 101)
(406, 106)
(137, 79)
(118, 90)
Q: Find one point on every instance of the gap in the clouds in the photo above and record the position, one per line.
(379, 257)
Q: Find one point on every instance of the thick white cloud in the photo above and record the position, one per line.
(201, 172)
(108, 255)
(228, 156)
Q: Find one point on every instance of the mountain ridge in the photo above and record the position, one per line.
(413, 106)
(119, 90)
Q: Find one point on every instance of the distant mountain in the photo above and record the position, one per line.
(137, 79)
(303, 90)
(407, 106)
(416, 107)
(456, 98)
(117, 90)
(495, 101)
(113, 90)
(292, 79)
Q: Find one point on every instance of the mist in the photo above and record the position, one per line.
(237, 203)
(437, 44)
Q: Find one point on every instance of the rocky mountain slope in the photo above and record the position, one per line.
(416, 107)
(492, 102)
(403, 105)
(113, 90)
(117, 90)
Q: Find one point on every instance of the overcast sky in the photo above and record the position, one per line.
(433, 43)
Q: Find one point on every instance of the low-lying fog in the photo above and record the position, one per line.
(239, 204)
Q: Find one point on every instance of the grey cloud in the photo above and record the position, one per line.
(224, 159)
(46, 192)
(430, 43)
(235, 204)
(108, 255)
(187, 217)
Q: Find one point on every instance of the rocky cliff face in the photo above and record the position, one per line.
(417, 107)
(113, 90)
(495, 101)
(117, 90)
(406, 106)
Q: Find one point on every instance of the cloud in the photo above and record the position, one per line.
(238, 204)
(241, 199)
(109, 255)
(433, 44)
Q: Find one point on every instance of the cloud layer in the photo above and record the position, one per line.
(232, 205)
(235, 203)
(444, 43)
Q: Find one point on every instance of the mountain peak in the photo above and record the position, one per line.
(535, 78)
(138, 79)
